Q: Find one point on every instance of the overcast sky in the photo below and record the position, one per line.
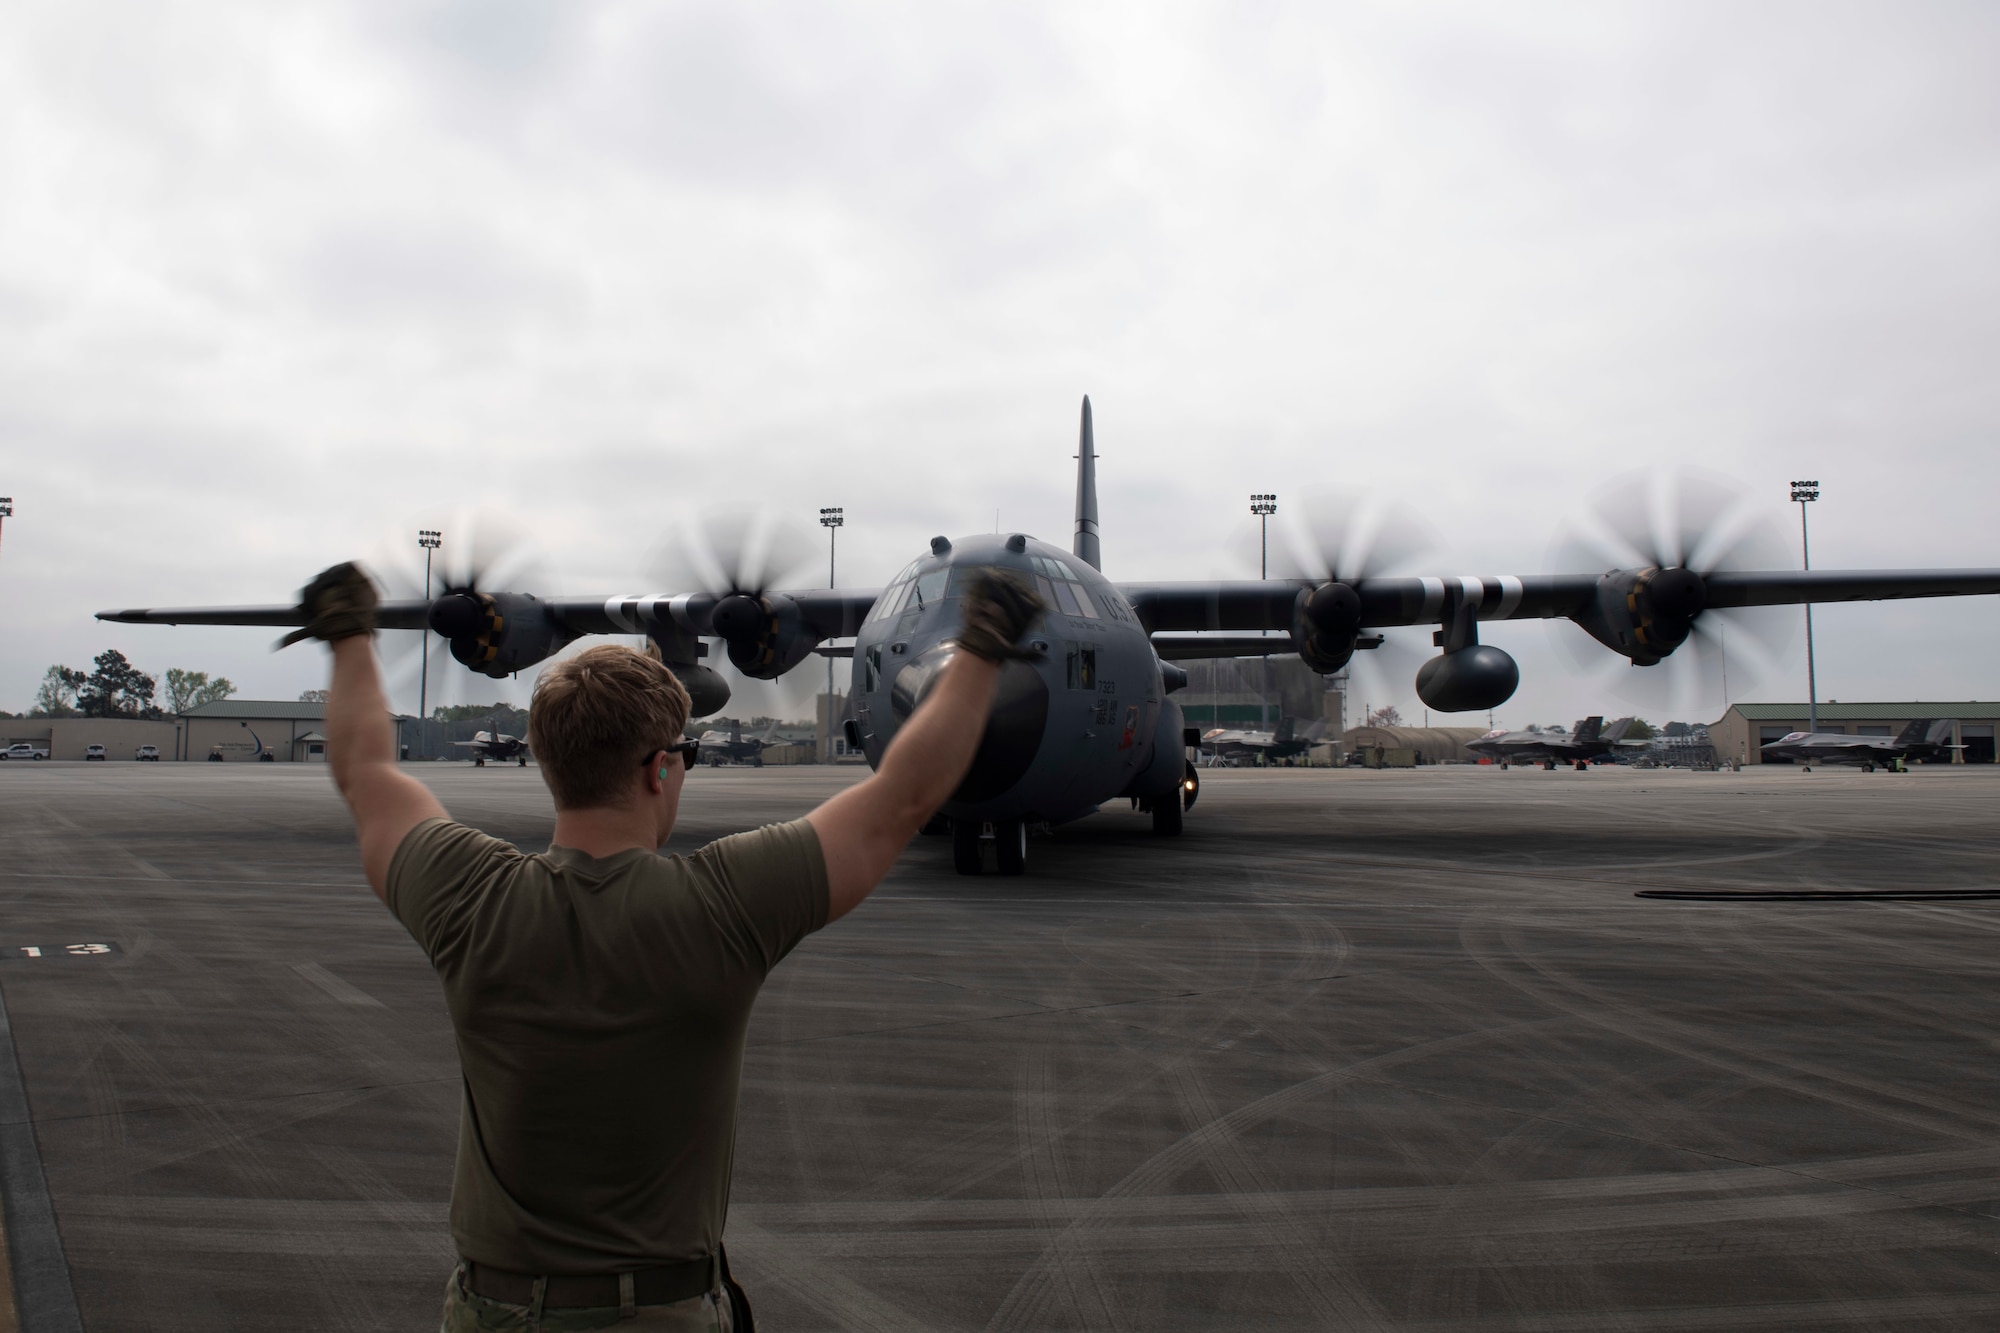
(280, 283)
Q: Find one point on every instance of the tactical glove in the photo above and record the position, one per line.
(338, 604)
(998, 609)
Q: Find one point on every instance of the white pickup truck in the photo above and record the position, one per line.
(23, 750)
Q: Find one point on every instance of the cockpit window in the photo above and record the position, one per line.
(1061, 588)
(930, 587)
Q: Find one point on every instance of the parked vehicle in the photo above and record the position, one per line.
(94, 753)
(23, 750)
(147, 754)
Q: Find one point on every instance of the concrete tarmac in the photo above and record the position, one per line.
(1390, 1050)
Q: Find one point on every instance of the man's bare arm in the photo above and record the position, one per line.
(361, 750)
(864, 829)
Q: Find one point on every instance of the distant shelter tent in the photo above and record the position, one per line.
(1428, 745)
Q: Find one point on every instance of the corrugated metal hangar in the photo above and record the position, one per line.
(1745, 727)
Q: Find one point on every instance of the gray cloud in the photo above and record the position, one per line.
(281, 283)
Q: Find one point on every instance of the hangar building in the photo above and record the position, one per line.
(1237, 691)
(1741, 730)
(249, 729)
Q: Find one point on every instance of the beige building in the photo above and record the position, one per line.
(1737, 735)
(247, 730)
(71, 737)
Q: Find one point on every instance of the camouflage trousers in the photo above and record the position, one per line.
(468, 1312)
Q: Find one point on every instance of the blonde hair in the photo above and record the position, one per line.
(595, 716)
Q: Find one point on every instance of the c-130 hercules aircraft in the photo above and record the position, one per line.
(1092, 717)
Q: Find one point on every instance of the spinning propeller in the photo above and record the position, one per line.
(736, 559)
(1652, 540)
(483, 596)
(1335, 540)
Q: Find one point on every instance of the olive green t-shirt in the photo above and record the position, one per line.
(601, 1009)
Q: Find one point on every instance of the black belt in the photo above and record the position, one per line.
(658, 1285)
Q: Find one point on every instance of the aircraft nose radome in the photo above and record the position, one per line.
(1014, 729)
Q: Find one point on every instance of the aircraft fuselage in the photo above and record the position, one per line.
(1085, 722)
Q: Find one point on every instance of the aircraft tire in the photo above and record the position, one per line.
(965, 846)
(1010, 846)
(523, 761)
(1167, 819)
(479, 762)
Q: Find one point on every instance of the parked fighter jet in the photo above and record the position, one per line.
(1237, 746)
(1926, 738)
(1091, 716)
(717, 747)
(497, 746)
(1591, 740)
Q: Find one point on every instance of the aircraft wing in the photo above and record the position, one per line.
(1253, 604)
(390, 615)
(832, 612)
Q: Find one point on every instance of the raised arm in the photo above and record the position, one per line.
(864, 829)
(360, 739)
(361, 750)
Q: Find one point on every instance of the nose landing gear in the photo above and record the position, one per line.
(1010, 846)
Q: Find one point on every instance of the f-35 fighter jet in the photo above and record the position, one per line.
(720, 747)
(1237, 746)
(497, 746)
(1926, 738)
(1591, 740)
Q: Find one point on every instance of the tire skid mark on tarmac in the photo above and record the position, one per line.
(1443, 1287)
(772, 1258)
(1811, 1080)
(998, 1147)
(1077, 1285)
(1192, 1148)
(1336, 1298)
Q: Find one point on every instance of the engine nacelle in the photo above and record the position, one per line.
(707, 691)
(766, 636)
(1326, 621)
(1475, 677)
(497, 633)
(1645, 614)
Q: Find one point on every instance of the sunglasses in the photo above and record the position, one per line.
(685, 749)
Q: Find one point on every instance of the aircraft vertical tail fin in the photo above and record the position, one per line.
(1616, 731)
(1940, 731)
(1917, 732)
(1588, 729)
(1085, 546)
(1286, 726)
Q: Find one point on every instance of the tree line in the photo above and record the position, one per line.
(116, 688)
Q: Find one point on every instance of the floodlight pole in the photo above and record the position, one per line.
(1804, 493)
(1263, 506)
(429, 539)
(833, 519)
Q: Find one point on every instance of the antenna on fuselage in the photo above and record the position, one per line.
(1085, 545)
